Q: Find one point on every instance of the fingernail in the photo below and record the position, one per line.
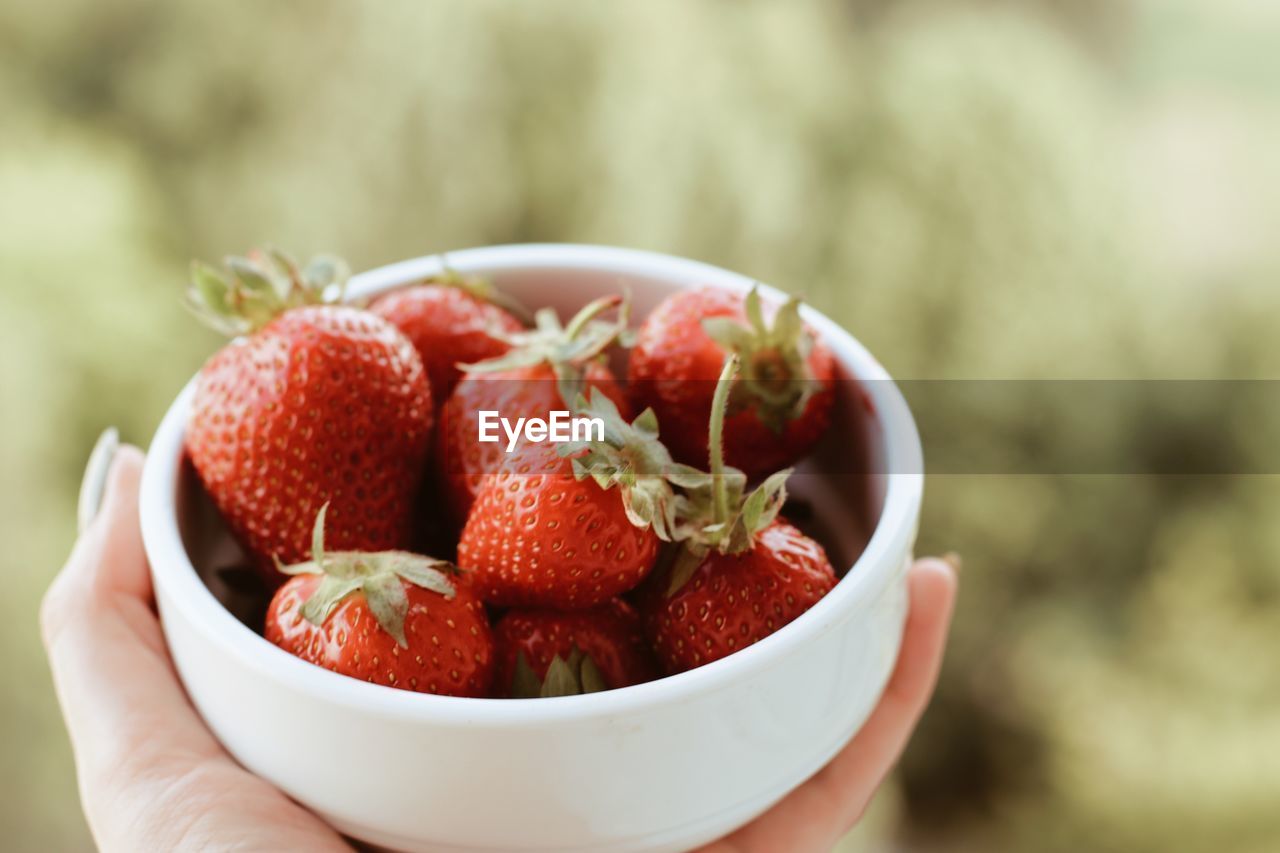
(952, 559)
(95, 477)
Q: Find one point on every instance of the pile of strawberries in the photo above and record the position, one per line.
(340, 444)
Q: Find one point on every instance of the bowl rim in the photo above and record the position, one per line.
(189, 598)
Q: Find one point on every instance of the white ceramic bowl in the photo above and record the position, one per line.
(661, 766)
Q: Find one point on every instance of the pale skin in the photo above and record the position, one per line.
(152, 777)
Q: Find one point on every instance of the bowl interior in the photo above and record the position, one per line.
(837, 495)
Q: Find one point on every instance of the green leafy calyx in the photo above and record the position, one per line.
(631, 457)
(572, 677)
(256, 289)
(483, 289)
(715, 512)
(377, 575)
(567, 349)
(776, 380)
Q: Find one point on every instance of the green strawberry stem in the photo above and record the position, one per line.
(776, 379)
(377, 575)
(483, 289)
(258, 288)
(588, 313)
(719, 403)
(565, 349)
(565, 677)
(715, 512)
(631, 457)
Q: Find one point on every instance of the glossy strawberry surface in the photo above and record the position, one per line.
(447, 327)
(462, 461)
(673, 369)
(449, 645)
(538, 537)
(734, 600)
(610, 634)
(322, 404)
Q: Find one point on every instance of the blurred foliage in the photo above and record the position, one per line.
(976, 189)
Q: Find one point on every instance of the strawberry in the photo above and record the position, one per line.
(732, 600)
(544, 371)
(317, 403)
(550, 531)
(451, 320)
(740, 573)
(782, 402)
(559, 653)
(388, 617)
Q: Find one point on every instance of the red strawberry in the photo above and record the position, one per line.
(388, 617)
(451, 320)
(536, 536)
(530, 381)
(316, 404)
(734, 600)
(611, 648)
(548, 531)
(782, 403)
(741, 573)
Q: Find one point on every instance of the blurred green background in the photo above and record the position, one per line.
(976, 189)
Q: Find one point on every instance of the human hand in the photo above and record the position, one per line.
(818, 813)
(152, 776)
